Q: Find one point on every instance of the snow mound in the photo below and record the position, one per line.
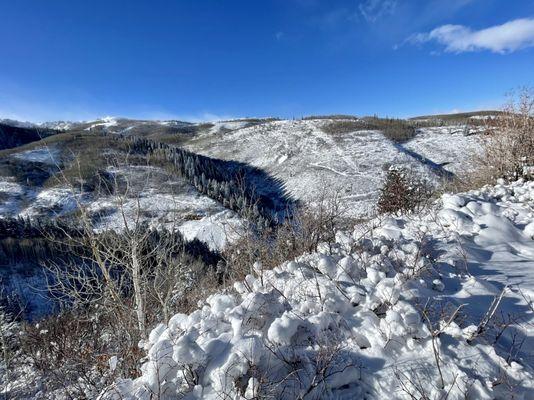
(344, 323)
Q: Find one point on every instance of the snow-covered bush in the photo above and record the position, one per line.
(351, 320)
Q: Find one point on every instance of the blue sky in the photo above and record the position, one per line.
(74, 59)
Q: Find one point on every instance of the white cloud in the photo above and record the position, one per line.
(506, 38)
(372, 10)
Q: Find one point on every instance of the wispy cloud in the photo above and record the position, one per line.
(506, 38)
(372, 10)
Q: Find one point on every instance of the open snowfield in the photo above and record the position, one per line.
(348, 323)
(310, 161)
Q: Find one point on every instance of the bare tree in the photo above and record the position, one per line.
(509, 140)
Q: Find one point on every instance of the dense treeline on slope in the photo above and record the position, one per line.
(398, 130)
(25, 240)
(13, 136)
(231, 183)
(44, 240)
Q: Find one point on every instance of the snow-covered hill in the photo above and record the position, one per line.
(310, 161)
(395, 309)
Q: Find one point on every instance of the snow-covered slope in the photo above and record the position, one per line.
(162, 199)
(307, 160)
(395, 310)
(447, 146)
(353, 164)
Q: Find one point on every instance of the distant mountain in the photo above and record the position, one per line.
(15, 133)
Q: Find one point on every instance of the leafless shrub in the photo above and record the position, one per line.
(9, 343)
(72, 350)
(301, 233)
(508, 145)
(115, 286)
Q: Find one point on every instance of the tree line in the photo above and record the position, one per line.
(231, 183)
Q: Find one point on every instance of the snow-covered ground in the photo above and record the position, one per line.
(447, 146)
(45, 155)
(395, 309)
(177, 205)
(310, 162)
(160, 199)
(194, 215)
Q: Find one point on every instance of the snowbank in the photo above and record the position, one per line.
(347, 322)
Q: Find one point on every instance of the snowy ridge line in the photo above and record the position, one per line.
(367, 316)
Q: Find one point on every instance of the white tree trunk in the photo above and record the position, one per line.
(138, 289)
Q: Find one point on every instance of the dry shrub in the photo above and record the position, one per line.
(71, 350)
(302, 233)
(508, 145)
(403, 192)
(397, 130)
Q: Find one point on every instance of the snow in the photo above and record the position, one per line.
(215, 230)
(163, 201)
(45, 155)
(196, 216)
(347, 322)
(225, 126)
(446, 145)
(25, 201)
(483, 117)
(12, 188)
(58, 201)
(212, 224)
(59, 125)
(105, 122)
(310, 162)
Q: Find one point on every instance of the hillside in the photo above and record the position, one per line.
(353, 164)
(13, 134)
(299, 154)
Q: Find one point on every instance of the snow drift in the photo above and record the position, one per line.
(395, 309)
